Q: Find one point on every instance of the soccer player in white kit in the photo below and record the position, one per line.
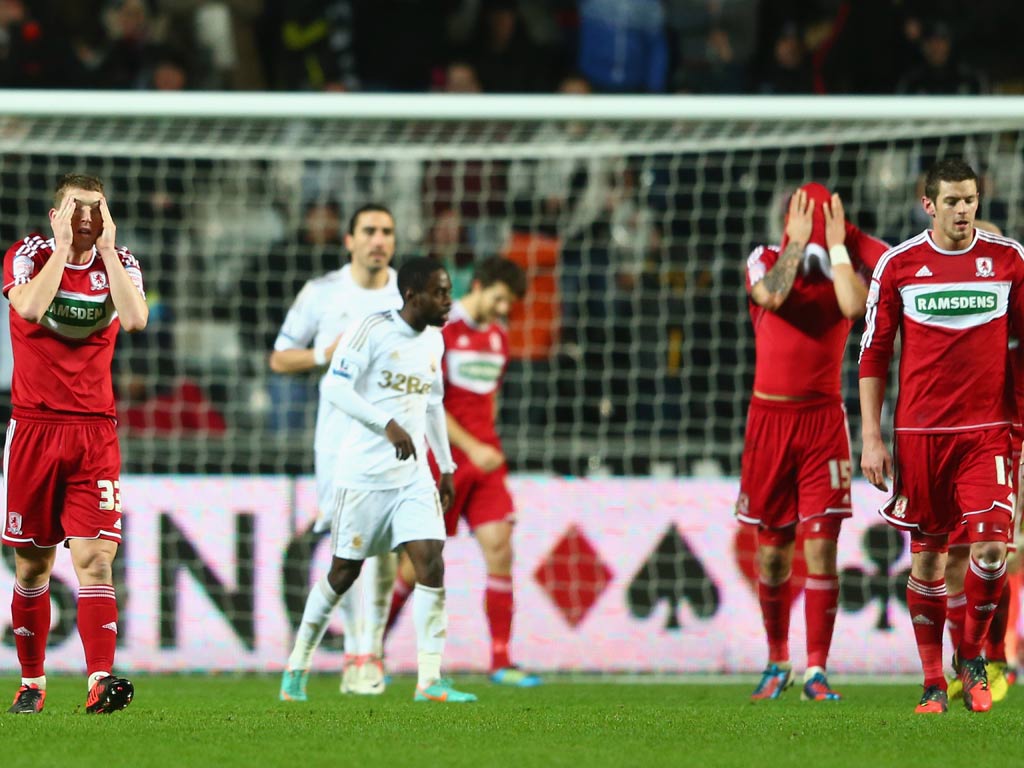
(325, 308)
(386, 377)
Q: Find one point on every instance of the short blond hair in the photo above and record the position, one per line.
(75, 181)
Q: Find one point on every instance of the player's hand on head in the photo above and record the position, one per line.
(486, 457)
(404, 446)
(800, 221)
(835, 222)
(446, 490)
(108, 233)
(876, 464)
(60, 221)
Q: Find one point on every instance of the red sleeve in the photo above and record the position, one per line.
(22, 261)
(1017, 299)
(882, 320)
(863, 247)
(760, 260)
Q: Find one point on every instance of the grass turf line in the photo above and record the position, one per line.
(228, 720)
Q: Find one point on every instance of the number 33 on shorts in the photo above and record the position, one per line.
(110, 495)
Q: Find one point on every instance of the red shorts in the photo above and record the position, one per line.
(949, 481)
(796, 467)
(63, 481)
(480, 497)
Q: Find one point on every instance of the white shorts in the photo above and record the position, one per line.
(323, 465)
(369, 523)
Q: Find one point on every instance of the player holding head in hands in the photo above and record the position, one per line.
(386, 378)
(475, 358)
(804, 296)
(325, 308)
(69, 294)
(954, 292)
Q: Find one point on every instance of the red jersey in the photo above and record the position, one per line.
(800, 346)
(475, 358)
(954, 310)
(62, 364)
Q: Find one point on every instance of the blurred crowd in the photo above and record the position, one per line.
(515, 46)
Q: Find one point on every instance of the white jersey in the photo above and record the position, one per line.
(396, 370)
(325, 308)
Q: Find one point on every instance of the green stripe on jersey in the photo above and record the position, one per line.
(84, 314)
(954, 303)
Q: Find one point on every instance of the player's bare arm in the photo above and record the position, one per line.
(129, 302)
(299, 360)
(404, 445)
(875, 459)
(32, 299)
(772, 291)
(446, 490)
(851, 293)
(484, 456)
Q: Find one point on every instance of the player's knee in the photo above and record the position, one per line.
(32, 573)
(775, 565)
(989, 555)
(342, 574)
(430, 570)
(95, 567)
(498, 557)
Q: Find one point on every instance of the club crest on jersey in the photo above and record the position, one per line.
(14, 523)
(495, 342)
(743, 504)
(98, 281)
(899, 509)
(984, 265)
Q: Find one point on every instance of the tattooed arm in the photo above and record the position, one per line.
(772, 290)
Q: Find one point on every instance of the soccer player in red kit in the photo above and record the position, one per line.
(475, 358)
(804, 296)
(954, 293)
(958, 559)
(69, 294)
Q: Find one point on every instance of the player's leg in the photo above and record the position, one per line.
(32, 527)
(823, 473)
(30, 620)
(926, 602)
(349, 605)
(417, 525)
(995, 645)
(768, 500)
(92, 523)
(378, 580)
(405, 580)
(93, 560)
(957, 560)
(321, 603)
(821, 602)
(984, 490)
(431, 619)
(775, 567)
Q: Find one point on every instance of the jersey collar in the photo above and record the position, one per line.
(931, 242)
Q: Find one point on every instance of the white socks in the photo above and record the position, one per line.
(378, 579)
(320, 604)
(431, 629)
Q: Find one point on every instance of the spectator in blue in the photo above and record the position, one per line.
(622, 45)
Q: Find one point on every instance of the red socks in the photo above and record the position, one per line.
(926, 601)
(775, 603)
(97, 626)
(30, 620)
(956, 612)
(498, 604)
(984, 589)
(821, 598)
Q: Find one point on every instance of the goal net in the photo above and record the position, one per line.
(633, 218)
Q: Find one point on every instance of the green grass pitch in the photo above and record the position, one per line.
(225, 721)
